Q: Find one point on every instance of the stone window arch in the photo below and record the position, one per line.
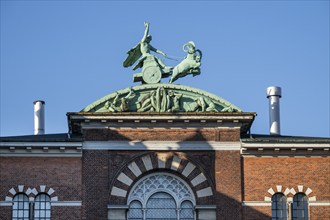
(161, 195)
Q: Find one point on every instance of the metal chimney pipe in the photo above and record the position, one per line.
(274, 94)
(39, 117)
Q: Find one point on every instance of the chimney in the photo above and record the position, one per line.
(274, 94)
(39, 117)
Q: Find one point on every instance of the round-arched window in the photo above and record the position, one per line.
(161, 196)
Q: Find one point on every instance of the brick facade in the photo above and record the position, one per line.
(62, 174)
(226, 179)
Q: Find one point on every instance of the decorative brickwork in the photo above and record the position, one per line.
(169, 162)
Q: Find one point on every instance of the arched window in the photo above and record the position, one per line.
(161, 196)
(300, 207)
(161, 205)
(186, 210)
(42, 207)
(135, 211)
(279, 207)
(21, 207)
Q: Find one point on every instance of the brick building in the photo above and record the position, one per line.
(163, 151)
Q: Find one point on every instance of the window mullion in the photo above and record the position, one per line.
(31, 210)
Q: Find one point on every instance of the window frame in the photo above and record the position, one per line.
(279, 206)
(18, 210)
(305, 209)
(178, 200)
(45, 207)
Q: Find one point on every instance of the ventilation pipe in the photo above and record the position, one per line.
(39, 117)
(274, 94)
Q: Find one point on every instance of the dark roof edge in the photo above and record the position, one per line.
(262, 138)
(59, 137)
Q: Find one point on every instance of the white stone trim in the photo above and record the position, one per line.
(41, 144)
(34, 191)
(175, 163)
(161, 145)
(8, 199)
(271, 191)
(118, 207)
(198, 179)
(36, 154)
(319, 203)
(118, 192)
(188, 169)
(256, 203)
(6, 203)
(54, 199)
(29, 191)
(42, 188)
(308, 191)
(267, 199)
(293, 191)
(135, 169)
(279, 188)
(124, 179)
(12, 191)
(287, 191)
(66, 203)
(161, 117)
(161, 160)
(147, 162)
(312, 199)
(268, 203)
(284, 145)
(204, 192)
(50, 191)
(20, 188)
(53, 203)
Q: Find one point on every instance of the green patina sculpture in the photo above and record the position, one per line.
(153, 96)
(161, 97)
(190, 65)
(153, 69)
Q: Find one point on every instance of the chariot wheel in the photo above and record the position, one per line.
(151, 74)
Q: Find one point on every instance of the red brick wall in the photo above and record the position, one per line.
(260, 174)
(63, 174)
(257, 213)
(228, 184)
(319, 212)
(5, 212)
(162, 134)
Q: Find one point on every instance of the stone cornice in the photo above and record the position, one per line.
(78, 121)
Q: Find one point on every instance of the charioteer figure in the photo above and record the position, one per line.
(153, 69)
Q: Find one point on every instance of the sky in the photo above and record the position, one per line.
(70, 54)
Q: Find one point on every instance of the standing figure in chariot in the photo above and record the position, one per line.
(152, 67)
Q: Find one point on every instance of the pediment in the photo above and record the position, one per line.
(161, 98)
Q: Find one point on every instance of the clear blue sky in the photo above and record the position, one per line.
(70, 53)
